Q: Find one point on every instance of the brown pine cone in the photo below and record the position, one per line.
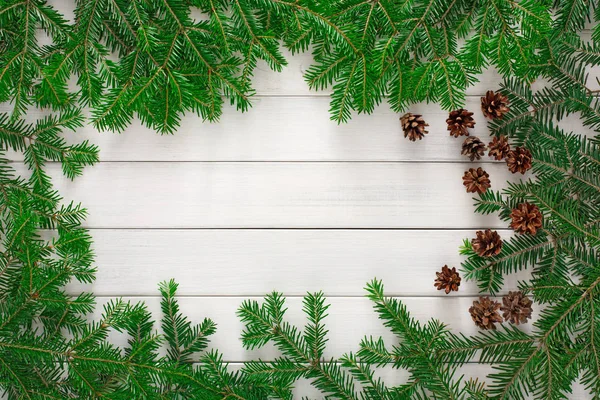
(413, 126)
(476, 180)
(499, 147)
(459, 121)
(516, 307)
(447, 279)
(494, 105)
(473, 148)
(484, 313)
(526, 218)
(519, 160)
(487, 244)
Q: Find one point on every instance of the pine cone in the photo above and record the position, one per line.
(487, 244)
(447, 279)
(494, 105)
(459, 121)
(413, 126)
(484, 313)
(476, 180)
(473, 148)
(516, 307)
(526, 218)
(519, 160)
(499, 147)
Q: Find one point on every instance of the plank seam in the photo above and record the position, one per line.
(242, 297)
(406, 161)
(469, 229)
(290, 229)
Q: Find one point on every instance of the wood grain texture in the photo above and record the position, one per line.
(289, 129)
(255, 262)
(285, 129)
(279, 195)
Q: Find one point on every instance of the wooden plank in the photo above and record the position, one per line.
(284, 129)
(349, 320)
(278, 195)
(288, 129)
(254, 262)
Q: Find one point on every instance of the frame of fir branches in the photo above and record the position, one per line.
(149, 59)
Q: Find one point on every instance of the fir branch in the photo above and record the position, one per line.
(361, 48)
(565, 275)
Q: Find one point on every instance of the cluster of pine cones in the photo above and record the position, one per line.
(494, 106)
(526, 218)
(516, 307)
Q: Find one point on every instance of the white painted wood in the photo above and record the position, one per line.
(289, 129)
(285, 129)
(279, 195)
(255, 262)
(350, 319)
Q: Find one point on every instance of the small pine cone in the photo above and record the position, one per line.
(459, 121)
(519, 160)
(526, 218)
(494, 105)
(499, 147)
(487, 243)
(473, 148)
(476, 180)
(447, 279)
(516, 307)
(484, 313)
(413, 126)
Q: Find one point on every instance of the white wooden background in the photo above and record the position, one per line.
(281, 198)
